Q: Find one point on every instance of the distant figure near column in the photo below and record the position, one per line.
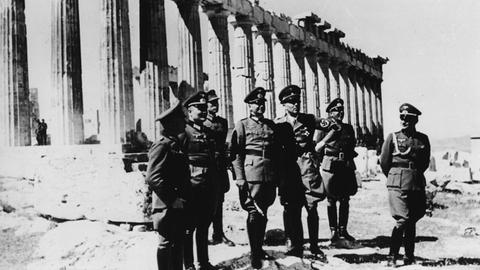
(43, 132)
(219, 130)
(405, 157)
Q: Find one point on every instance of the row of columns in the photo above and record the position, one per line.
(242, 55)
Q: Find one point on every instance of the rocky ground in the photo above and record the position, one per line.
(42, 228)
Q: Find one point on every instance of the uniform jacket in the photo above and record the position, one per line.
(168, 173)
(413, 156)
(342, 141)
(199, 144)
(258, 136)
(219, 129)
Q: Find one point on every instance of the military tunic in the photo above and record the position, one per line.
(404, 166)
(169, 179)
(338, 167)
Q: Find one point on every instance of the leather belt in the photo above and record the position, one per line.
(258, 153)
(340, 155)
(409, 165)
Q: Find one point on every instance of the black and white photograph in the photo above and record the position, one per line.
(239, 134)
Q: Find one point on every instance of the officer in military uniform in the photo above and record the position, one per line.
(306, 163)
(168, 177)
(200, 146)
(405, 157)
(338, 169)
(219, 130)
(255, 147)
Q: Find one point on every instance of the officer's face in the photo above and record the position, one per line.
(257, 108)
(337, 113)
(408, 120)
(213, 107)
(292, 107)
(197, 113)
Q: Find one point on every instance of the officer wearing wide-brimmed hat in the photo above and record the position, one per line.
(168, 176)
(255, 148)
(201, 153)
(303, 183)
(219, 129)
(338, 170)
(405, 157)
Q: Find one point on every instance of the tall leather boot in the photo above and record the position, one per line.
(253, 230)
(343, 219)
(164, 258)
(188, 251)
(409, 244)
(395, 243)
(312, 223)
(332, 219)
(296, 230)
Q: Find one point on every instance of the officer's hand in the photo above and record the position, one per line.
(240, 183)
(319, 146)
(178, 203)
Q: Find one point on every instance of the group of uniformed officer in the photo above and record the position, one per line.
(307, 158)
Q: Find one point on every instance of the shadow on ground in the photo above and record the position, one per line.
(384, 241)
(378, 258)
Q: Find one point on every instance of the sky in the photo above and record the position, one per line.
(433, 47)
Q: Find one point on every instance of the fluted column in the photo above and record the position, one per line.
(380, 111)
(311, 82)
(373, 109)
(344, 93)
(219, 71)
(242, 65)
(263, 65)
(14, 91)
(361, 107)
(354, 106)
(116, 68)
(190, 67)
(154, 81)
(368, 107)
(334, 80)
(323, 84)
(66, 73)
(281, 68)
(297, 67)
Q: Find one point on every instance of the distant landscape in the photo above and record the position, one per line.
(456, 143)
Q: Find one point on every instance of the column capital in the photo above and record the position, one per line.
(263, 30)
(282, 38)
(242, 21)
(215, 10)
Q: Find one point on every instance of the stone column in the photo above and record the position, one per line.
(368, 108)
(354, 104)
(361, 107)
(154, 80)
(334, 76)
(311, 82)
(219, 71)
(281, 67)
(116, 68)
(345, 93)
(190, 67)
(14, 91)
(373, 107)
(297, 66)
(66, 73)
(263, 65)
(380, 111)
(242, 65)
(323, 84)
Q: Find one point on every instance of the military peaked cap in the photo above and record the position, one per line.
(289, 93)
(256, 95)
(211, 96)
(407, 108)
(198, 98)
(174, 111)
(336, 103)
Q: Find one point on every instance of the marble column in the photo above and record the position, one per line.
(380, 111)
(190, 67)
(334, 76)
(66, 74)
(311, 82)
(361, 107)
(219, 70)
(263, 65)
(242, 65)
(323, 84)
(368, 106)
(354, 106)
(281, 67)
(116, 71)
(345, 93)
(373, 107)
(14, 92)
(297, 67)
(154, 80)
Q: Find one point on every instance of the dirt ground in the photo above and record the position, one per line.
(448, 239)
